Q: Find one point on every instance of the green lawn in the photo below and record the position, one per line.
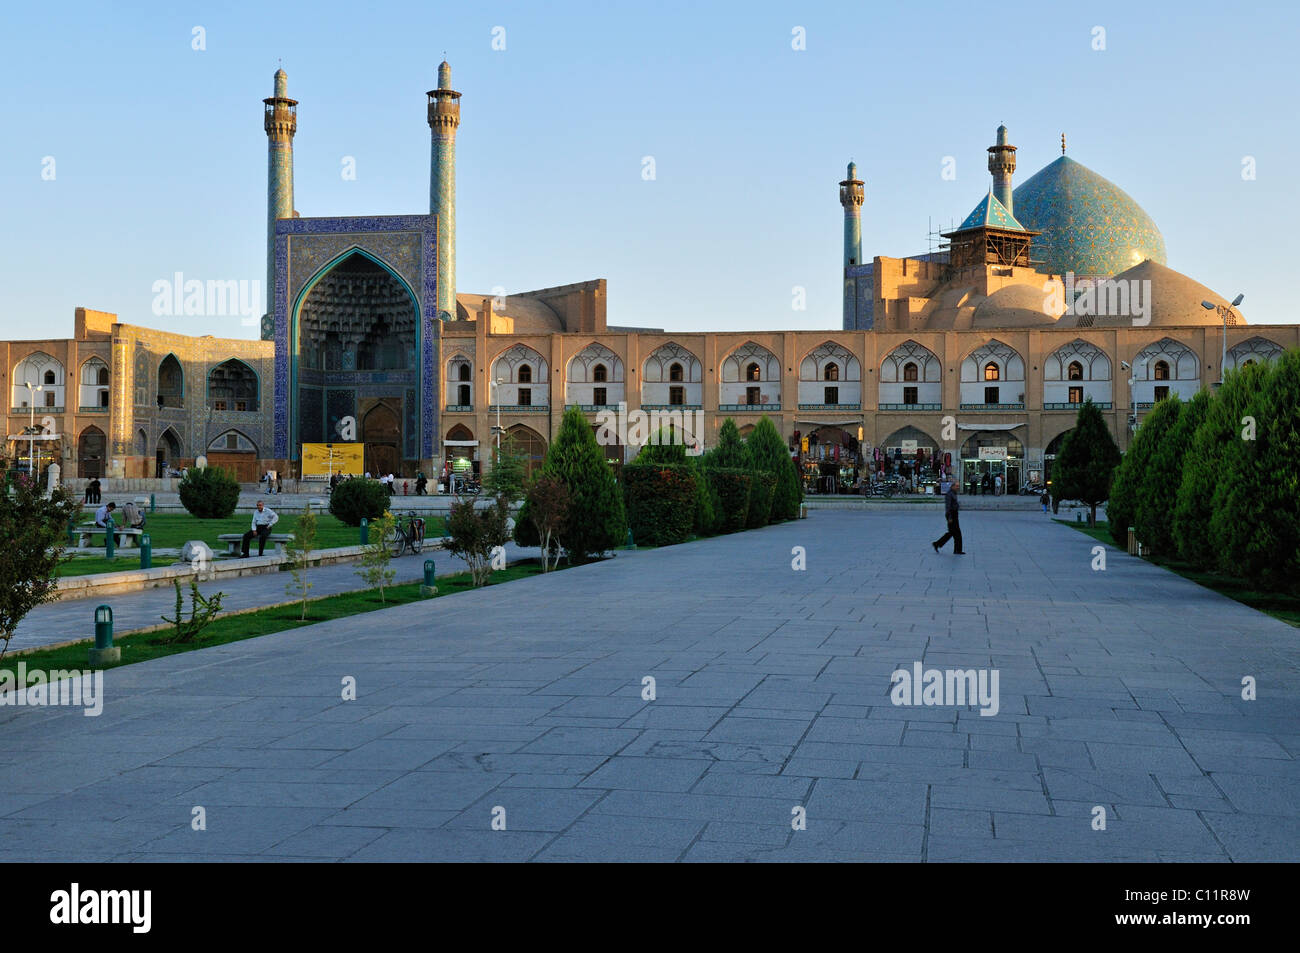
(127, 559)
(1277, 604)
(174, 530)
(142, 646)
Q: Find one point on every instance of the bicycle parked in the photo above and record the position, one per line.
(411, 536)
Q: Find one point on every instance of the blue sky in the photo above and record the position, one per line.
(160, 157)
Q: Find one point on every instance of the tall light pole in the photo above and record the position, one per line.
(1224, 311)
(498, 382)
(32, 391)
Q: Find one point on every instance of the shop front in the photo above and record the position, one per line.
(829, 459)
(989, 455)
(912, 460)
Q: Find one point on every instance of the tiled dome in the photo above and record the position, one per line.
(1090, 225)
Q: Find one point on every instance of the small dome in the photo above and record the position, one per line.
(1175, 301)
(1090, 225)
(1020, 306)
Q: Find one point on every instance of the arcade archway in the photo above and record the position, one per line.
(90, 453)
(989, 455)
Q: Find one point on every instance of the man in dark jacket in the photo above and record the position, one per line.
(950, 507)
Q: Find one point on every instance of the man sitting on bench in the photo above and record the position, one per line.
(102, 514)
(263, 519)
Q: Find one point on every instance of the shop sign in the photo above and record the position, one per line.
(993, 453)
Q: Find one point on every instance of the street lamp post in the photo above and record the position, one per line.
(1224, 310)
(498, 382)
(32, 391)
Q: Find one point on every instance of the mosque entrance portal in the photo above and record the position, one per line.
(357, 336)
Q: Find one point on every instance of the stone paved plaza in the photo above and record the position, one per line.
(1119, 689)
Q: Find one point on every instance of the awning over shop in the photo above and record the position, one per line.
(460, 443)
(989, 426)
(855, 422)
(37, 437)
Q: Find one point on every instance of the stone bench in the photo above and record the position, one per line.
(126, 538)
(235, 542)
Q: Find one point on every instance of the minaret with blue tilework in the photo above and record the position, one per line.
(1002, 165)
(852, 195)
(281, 122)
(444, 119)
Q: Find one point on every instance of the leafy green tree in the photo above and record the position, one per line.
(1159, 494)
(1086, 462)
(476, 534)
(209, 492)
(203, 610)
(1141, 471)
(596, 520)
(299, 549)
(548, 511)
(1203, 465)
(770, 454)
(1256, 503)
(375, 556)
(33, 528)
(505, 481)
(355, 499)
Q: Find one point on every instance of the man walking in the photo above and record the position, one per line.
(950, 507)
(263, 520)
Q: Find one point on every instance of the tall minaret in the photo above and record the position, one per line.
(444, 118)
(852, 195)
(281, 122)
(1002, 164)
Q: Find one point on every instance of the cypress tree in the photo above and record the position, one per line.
(1086, 464)
(770, 455)
(596, 520)
(1150, 515)
(1158, 498)
(1203, 466)
(1256, 516)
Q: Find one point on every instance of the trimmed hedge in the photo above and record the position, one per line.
(356, 499)
(731, 489)
(209, 493)
(761, 489)
(660, 500)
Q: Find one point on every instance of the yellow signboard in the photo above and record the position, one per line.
(324, 459)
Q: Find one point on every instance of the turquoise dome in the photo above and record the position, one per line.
(1090, 225)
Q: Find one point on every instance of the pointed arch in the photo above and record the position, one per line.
(738, 365)
(234, 385)
(815, 365)
(171, 382)
(1257, 349)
